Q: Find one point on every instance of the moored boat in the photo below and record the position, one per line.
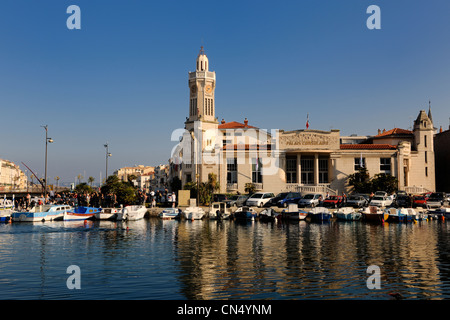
(193, 213)
(245, 213)
(319, 214)
(397, 215)
(293, 213)
(107, 214)
(5, 215)
(132, 213)
(219, 211)
(348, 214)
(81, 213)
(373, 214)
(41, 213)
(269, 215)
(170, 213)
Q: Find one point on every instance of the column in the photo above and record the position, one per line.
(316, 169)
(299, 168)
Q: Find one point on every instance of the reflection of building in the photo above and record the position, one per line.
(442, 160)
(303, 160)
(11, 177)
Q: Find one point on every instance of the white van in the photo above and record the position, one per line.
(259, 199)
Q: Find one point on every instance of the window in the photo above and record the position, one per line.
(291, 169)
(323, 170)
(385, 165)
(425, 140)
(426, 157)
(307, 172)
(426, 171)
(360, 163)
(188, 177)
(231, 170)
(256, 170)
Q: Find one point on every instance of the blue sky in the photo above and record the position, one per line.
(122, 78)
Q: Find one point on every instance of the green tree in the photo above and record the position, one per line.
(384, 182)
(91, 180)
(126, 193)
(250, 188)
(360, 181)
(83, 188)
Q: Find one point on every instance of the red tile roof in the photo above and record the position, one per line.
(368, 147)
(395, 131)
(235, 125)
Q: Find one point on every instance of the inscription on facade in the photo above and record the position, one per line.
(307, 139)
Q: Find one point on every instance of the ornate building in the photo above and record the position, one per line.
(304, 160)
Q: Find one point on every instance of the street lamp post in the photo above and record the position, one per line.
(107, 156)
(47, 140)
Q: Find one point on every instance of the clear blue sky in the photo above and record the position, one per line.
(122, 78)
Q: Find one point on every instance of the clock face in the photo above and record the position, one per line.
(208, 89)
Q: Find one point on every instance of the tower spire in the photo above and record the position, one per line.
(429, 110)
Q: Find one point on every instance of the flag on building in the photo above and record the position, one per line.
(307, 121)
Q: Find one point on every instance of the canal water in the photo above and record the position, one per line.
(203, 260)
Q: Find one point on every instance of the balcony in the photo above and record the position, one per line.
(303, 189)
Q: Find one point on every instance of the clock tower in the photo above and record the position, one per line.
(202, 84)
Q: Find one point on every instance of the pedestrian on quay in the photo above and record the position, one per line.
(174, 198)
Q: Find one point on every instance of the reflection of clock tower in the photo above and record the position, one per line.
(202, 84)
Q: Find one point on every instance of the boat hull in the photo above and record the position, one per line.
(353, 216)
(245, 215)
(81, 213)
(133, 213)
(36, 216)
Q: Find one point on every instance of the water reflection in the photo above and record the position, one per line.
(303, 260)
(168, 259)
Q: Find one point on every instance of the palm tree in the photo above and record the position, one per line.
(79, 178)
(91, 180)
(57, 178)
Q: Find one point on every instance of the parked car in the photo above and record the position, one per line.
(381, 194)
(420, 201)
(283, 199)
(357, 201)
(333, 201)
(237, 200)
(259, 199)
(403, 201)
(436, 200)
(310, 200)
(380, 201)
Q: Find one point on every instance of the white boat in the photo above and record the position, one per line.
(219, 211)
(107, 214)
(41, 213)
(348, 213)
(193, 213)
(170, 213)
(293, 213)
(132, 213)
(417, 214)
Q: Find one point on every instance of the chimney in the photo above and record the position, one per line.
(223, 121)
(440, 130)
(384, 130)
(246, 122)
(379, 131)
